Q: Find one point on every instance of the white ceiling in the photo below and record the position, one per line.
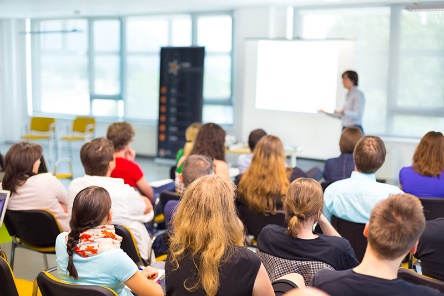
(57, 8)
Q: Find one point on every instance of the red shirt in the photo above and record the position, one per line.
(129, 171)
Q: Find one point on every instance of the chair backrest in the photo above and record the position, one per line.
(37, 228)
(254, 222)
(7, 283)
(418, 279)
(433, 207)
(128, 244)
(42, 124)
(277, 267)
(84, 125)
(51, 286)
(353, 232)
(166, 196)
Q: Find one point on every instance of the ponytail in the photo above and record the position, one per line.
(295, 224)
(71, 245)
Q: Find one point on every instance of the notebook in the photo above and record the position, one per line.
(4, 198)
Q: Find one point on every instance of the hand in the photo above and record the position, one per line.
(148, 205)
(130, 154)
(150, 272)
(322, 111)
(340, 112)
(64, 207)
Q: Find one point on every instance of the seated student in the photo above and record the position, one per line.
(395, 226)
(210, 141)
(244, 160)
(121, 134)
(194, 167)
(207, 254)
(278, 245)
(353, 199)
(129, 207)
(341, 167)
(30, 190)
(266, 180)
(425, 178)
(190, 135)
(430, 249)
(90, 253)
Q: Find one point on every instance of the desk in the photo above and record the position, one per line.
(290, 151)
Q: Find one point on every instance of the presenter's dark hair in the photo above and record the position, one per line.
(90, 207)
(352, 75)
(254, 137)
(369, 154)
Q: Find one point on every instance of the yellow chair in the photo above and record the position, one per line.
(41, 128)
(52, 286)
(10, 285)
(82, 130)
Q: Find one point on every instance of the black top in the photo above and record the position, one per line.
(430, 249)
(350, 283)
(332, 250)
(236, 276)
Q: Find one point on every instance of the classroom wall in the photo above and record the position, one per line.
(249, 23)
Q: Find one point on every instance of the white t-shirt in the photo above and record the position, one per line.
(127, 206)
(45, 192)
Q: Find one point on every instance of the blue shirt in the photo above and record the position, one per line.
(111, 268)
(353, 199)
(419, 185)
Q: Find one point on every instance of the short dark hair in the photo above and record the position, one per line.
(254, 137)
(121, 134)
(352, 75)
(349, 137)
(96, 156)
(395, 225)
(369, 154)
(196, 166)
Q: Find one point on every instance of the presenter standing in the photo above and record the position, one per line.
(351, 114)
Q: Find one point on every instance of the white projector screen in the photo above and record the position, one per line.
(300, 75)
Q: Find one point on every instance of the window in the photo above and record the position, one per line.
(110, 66)
(419, 96)
(370, 28)
(399, 56)
(60, 67)
(144, 38)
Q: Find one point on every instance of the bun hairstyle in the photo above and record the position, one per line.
(303, 201)
(90, 207)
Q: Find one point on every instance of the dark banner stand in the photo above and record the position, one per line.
(180, 97)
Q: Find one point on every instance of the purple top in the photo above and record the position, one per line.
(419, 185)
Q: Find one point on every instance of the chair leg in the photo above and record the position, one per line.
(45, 260)
(11, 260)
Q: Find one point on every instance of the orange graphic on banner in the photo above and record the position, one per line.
(163, 99)
(163, 108)
(162, 137)
(162, 127)
(163, 90)
(162, 118)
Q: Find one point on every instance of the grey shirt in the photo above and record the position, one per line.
(353, 108)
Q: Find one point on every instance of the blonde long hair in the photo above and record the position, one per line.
(206, 227)
(266, 178)
(304, 200)
(190, 135)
